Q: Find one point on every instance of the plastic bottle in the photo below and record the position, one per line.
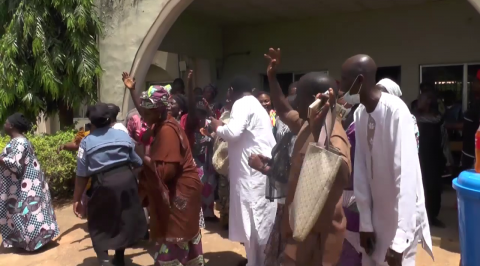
(477, 151)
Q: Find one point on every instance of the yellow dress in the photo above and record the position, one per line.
(78, 138)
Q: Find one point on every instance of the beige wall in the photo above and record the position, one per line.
(126, 25)
(200, 41)
(164, 68)
(444, 32)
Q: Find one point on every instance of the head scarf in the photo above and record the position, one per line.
(19, 122)
(168, 88)
(154, 97)
(99, 115)
(214, 89)
(391, 87)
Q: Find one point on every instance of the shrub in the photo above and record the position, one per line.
(60, 168)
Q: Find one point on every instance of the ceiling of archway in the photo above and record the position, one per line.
(257, 11)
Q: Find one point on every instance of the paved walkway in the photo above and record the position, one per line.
(74, 248)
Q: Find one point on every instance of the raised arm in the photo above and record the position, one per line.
(406, 167)
(191, 102)
(318, 119)
(282, 107)
(130, 84)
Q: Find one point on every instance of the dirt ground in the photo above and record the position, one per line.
(74, 248)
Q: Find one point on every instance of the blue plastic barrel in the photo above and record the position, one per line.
(467, 186)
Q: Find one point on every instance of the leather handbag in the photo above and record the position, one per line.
(220, 151)
(319, 171)
(220, 157)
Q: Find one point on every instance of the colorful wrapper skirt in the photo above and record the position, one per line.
(180, 254)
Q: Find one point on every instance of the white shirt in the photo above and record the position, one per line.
(387, 177)
(248, 132)
(121, 127)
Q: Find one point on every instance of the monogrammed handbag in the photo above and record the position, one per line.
(319, 170)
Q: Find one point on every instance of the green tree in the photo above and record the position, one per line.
(49, 61)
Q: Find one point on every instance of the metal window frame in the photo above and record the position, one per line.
(464, 79)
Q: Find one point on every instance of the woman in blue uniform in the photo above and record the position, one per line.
(115, 216)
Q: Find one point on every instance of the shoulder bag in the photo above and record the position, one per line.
(319, 170)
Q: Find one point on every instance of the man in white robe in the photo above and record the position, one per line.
(248, 132)
(387, 178)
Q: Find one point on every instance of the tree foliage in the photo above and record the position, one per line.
(49, 59)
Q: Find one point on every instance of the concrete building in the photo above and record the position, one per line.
(411, 40)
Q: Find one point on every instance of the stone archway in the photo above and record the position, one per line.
(475, 4)
(152, 40)
(134, 30)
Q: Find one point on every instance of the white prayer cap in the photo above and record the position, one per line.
(391, 87)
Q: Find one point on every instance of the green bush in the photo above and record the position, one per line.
(59, 169)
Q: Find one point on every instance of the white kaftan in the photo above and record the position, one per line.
(388, 181)
(251, 215)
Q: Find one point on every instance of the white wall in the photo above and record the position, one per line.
(444, 32)
(198, 40)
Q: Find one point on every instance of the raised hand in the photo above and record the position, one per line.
(207, 106)
(190, 75)
(273, 56)
(190, 83)
(318, 119)
(128, 81)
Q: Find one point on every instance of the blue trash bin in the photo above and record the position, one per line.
(467, 186)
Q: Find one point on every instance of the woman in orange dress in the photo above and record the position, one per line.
(173, 187)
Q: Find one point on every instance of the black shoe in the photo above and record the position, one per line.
(147, 236)
(105, 263)
(437, 223)
(225, 227)
(244, 262)
(118, 261)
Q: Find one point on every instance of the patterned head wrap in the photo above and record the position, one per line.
(168, 88)
(18, 121)
(154, 97)
(212, 87)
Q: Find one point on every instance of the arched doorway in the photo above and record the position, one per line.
(149, 46)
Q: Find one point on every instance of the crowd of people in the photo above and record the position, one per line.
(180, 150)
